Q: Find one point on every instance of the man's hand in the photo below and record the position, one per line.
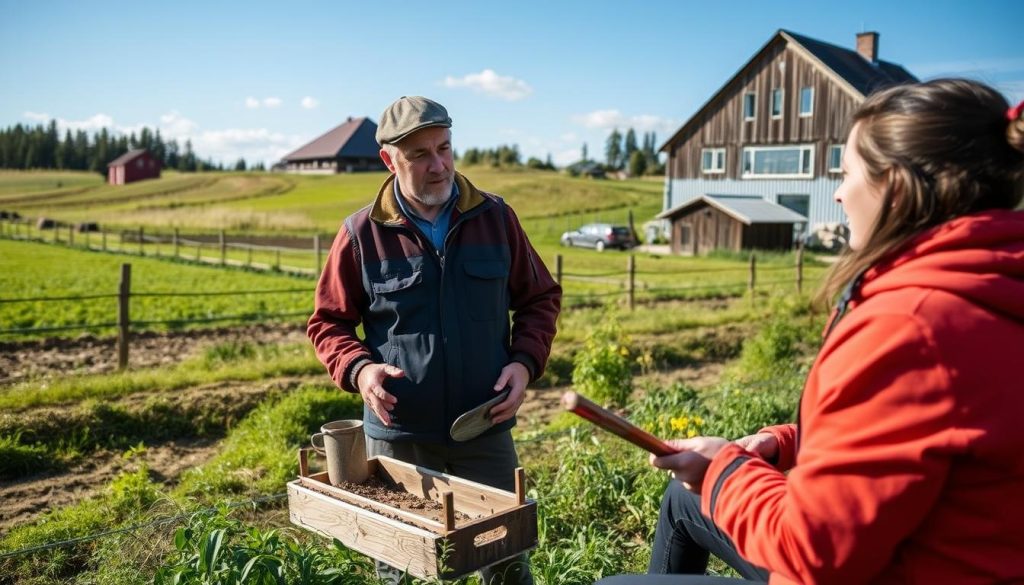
(371, 387)
(515, 375)
(692, 461)
(763, 444)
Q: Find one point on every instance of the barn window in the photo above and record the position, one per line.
(139, 163)
(777, 97)
(749, 105)
(806, 101)
(835, 158)
(796, 162)
(712, 160)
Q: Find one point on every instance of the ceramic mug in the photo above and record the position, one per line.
(343, 444)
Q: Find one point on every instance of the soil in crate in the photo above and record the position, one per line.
(380, 491)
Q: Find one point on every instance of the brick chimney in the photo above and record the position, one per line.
(867, 46)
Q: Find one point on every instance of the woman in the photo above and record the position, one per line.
(908, 461)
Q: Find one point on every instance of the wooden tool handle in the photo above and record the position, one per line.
(612, 423)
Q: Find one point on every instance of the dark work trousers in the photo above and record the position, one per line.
(490, 460)
(682, 542)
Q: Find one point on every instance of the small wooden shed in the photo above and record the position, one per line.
(134, 165)
(731, 222)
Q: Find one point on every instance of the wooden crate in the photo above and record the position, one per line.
(501, 524)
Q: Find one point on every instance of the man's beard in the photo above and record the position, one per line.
(434, 198)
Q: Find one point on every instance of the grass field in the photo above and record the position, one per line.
(34, 270)
(267, 202)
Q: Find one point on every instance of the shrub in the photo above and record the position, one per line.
(602, 368)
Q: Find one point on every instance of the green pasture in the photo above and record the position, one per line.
(167, 291)
(301, 204)
(18, 183)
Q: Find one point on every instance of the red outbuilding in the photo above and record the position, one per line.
(134, 165)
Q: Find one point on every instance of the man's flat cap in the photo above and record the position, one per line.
(409, 114)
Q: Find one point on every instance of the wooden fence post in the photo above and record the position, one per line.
(71, 235)
(319, 253)
(88, 241)
(753, 276)
(277, 262)
(123, 324)
(103, 241)
(142, 239)
(799, 268)
(176, 242)
(223, 248)
(631, 270)
(558, 269)
(249, 261)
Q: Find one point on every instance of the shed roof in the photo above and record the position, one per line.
(354, 137)
(127, 157)
(748, 209)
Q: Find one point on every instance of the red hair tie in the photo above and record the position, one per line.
(1014, 112)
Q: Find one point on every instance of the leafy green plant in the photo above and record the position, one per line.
(214, 548)
(602, 368)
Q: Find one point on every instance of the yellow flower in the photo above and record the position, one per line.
(691, 433)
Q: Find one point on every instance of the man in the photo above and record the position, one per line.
(431, 269)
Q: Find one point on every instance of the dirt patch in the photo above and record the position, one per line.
(26, 499)
(88, 354)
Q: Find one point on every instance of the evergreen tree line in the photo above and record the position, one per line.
(622, 152)
(42, 147)
(503, 156)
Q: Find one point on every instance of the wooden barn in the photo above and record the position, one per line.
(350, 147)
(134, 165)
(776, 129)
(731, 222)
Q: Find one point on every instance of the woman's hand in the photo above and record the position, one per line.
(763, 444)
(692, 461)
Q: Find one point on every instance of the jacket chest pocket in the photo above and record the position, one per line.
(486, 289)
(401, 300)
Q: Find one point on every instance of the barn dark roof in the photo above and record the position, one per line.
(848, 65)
(353, 138)
(127, 157)
(863, 75)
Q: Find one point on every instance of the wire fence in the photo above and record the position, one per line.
(301, 255)
(588, 289)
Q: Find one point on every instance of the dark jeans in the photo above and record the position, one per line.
(682, 542)
(490, 460)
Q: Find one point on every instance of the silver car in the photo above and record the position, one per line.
(600, 236)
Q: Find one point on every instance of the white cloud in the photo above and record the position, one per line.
(226, 145)
(566, 157)
(310, 102)
(490, 83)
(229, 144)
(89, 124)
(252, 103)
(610, 119)
(569, 137)
(271, 102)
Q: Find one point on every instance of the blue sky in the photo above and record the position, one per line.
(257, 79)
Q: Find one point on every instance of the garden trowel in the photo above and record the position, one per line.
(472, 423)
